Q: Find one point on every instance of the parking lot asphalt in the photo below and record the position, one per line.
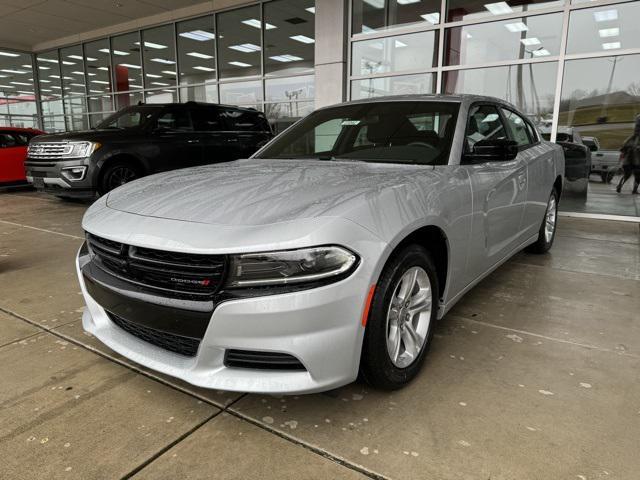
(535, 374)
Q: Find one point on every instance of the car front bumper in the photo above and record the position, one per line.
(49, 177)
(320, 327)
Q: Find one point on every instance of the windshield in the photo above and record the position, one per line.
(418, 132)
(132, 117)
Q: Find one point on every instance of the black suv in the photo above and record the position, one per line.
(141, 140)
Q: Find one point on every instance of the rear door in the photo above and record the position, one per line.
(247, 131)
(13, 151)
(209, 128)
(499, 193)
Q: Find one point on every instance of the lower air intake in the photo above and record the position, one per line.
(261, 360)
(186, 346)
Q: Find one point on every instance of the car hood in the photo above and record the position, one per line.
(261, 191)
(87, 135)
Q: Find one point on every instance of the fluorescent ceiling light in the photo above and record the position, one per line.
(162, 84)
(375, 3)
(11, 70)
(245, 48)
(77, 84)
(115, 52)
(609, 32)
(45, 90)
(7, 86)
(26, 66)
(240, 64)
(611, 46)
(255, 23)
(78, 73)
(103, 68)
(302, 39)
(542, 52)
(50, 60)
(44, 80)
(153, 75)
(432, 18)
(157, 46)
(20, 83)
(3, 76)
(78, 57)
(92, 74)
(530, 41)
(56, 87)
(25, 92)
(516, 27)
(407, 2)
(163, 60)
(65, 62)
(96, 91)
(102, 82)
(130, 65)
(168, 72)
(286, 58)
(204, 69)
(605, 15)
(9, 54)
(199, 35)
(199, 55)
(400, 44)
(42, 67)
(311, 10)
(499, 8)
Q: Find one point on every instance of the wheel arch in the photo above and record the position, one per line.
(558, 186)
(118, 157)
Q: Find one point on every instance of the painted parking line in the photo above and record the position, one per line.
(41, 229)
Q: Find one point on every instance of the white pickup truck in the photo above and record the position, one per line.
(605, 163)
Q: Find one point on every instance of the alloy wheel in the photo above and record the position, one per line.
(550, 219)
(408, 317)
(120, 176)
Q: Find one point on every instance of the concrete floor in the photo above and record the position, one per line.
(534, 375)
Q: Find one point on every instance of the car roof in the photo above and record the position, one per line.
(434, 97)
(193, 103)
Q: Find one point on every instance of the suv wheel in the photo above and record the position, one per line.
(118, 174)
(401, 319)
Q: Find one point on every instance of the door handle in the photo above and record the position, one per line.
(193, 141)
(232, 140)
(522, 180)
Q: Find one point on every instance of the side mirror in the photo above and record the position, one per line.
(497, 150)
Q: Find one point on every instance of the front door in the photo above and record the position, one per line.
(499, 194)
(177, 144)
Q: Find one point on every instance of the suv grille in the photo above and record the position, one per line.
(48, 151)
(261, 360)
(170, 273)
(186, 346)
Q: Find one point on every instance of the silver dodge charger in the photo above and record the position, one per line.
(330, 253)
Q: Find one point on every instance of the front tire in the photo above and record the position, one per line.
(401, 319)
(547, 232)
(118, 174)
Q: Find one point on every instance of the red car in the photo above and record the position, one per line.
(13, 151)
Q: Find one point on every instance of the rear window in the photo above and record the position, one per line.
(245, 121)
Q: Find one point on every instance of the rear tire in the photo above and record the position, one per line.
(547, 232)
(117, 174)
(401, 319)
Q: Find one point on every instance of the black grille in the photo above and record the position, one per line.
(186, 346)
(261, 360)
(170, 273)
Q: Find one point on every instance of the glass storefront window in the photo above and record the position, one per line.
(531, 87)
(16, 75)
(126, 99)
(600, 100)
(52, 107)
(199, 93)
(127, 65)
(77, 122)
(23, 122)
(400, 85)
(164, 95)
(196, 51)
(471, 9)
(49, 74)
(72, 68)
(513, 39)
(294, 89)
(97, 61)
(75, 105)
(612, 27)
(372, 15)
(289, 37)
(53, 124)
(242, 93)
(100, 103)
(158, 52)
(395, 54)
(239, 45)
(22, 108)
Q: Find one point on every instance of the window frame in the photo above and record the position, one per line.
(465, 147)
(502, 110)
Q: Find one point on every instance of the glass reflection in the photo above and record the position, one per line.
(127, 65)
(72, 69)
(196, 51)
(613, 27)
(530, 87)
(600, 100)
(49, 74)
(159, 56)
(248, 94)
(471, 9)
(98, 63)
(16, 76)
(239, 42)
(372, 15)
(395, 54)
(400, 85)
(514, 39)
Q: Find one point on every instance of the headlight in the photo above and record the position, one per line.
(82, 149)
(289, 266)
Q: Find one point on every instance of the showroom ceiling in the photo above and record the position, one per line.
(28, 24)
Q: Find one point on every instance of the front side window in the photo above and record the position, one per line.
(518, 128)
(7, 140)
(484, 124)
(387, 132)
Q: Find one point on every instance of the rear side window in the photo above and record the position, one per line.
(22, 138)
(517, 127)
(175, 119)
(207, 119)
(240, 120)
(7, 140)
